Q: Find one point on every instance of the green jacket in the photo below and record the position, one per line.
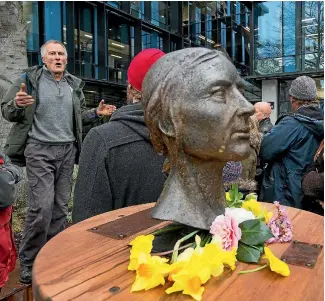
(23, 118)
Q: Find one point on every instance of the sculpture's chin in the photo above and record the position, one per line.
(239, 152)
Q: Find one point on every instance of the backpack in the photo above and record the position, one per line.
(9, 176)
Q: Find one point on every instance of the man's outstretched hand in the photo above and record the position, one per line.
(105, 110)
(22, 99)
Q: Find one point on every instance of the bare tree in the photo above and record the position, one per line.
(13, 59)
(13, 53)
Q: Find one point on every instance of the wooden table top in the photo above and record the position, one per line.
(81, 265)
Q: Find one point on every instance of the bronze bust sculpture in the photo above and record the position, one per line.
(198, 118)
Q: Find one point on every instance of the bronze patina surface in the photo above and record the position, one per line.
(198, 118)
(302, 254)
(126, 226)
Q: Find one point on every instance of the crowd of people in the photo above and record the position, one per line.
(118, 165)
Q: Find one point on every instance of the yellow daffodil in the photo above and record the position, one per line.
(151, 272)
(255, 207)
(212, 256)
(216, 253)
(181, 261)
(140, 245)
(276, 265)
(191, 277)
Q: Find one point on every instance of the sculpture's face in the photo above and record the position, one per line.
(215, 114)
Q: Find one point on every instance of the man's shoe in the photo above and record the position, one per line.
(25, 276)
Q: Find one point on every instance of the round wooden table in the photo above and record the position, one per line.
(88, 261)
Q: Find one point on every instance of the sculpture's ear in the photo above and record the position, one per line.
(167, 129)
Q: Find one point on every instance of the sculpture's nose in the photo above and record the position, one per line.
(245, 107)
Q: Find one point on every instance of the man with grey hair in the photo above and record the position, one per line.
(290, 146)
(47, 106)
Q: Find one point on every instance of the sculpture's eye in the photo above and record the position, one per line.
(218, 91)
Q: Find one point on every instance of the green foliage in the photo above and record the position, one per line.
(235, 197)
(254, 232)
(251, 244)
(247, 253)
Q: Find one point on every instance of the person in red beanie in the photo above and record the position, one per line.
(118, 166)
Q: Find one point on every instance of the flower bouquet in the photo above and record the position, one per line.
(241, 234)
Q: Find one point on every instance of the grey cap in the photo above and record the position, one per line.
(303, 88)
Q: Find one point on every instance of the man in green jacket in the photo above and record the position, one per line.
(48, 107)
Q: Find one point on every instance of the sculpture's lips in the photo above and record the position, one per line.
(242, 133)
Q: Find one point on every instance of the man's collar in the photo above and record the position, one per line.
(52, 73)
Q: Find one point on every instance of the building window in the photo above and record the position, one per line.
(151, 39)
(311, 35)
(84, 41)
(159, 13)
(30, 11)
(288, 36)
(185, 23)
(116, 4)
(137, 9)
(118, 48)
(268, 37)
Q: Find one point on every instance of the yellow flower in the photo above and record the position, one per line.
(191, 277)
(140, 245)
(255, 207)
(212, 256)
(228, 199)
(276, 265)
(143, 243)
(267, 216)
(151, 272)
(251, 196)
(216, 253)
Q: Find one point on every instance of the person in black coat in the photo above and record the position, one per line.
(118, 166)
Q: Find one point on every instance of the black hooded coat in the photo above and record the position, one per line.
(118, 166)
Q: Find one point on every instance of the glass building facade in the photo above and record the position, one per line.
(266, 41)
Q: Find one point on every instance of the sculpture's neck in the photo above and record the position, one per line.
(193, 193)
(203, 176)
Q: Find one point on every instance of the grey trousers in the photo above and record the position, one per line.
(49, 172)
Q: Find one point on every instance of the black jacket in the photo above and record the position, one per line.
(265, 125)
(118, 166)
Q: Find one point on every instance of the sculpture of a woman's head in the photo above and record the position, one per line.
(196, 114)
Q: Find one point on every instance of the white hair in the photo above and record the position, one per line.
(52, 42)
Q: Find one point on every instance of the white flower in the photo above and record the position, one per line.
(240, 214)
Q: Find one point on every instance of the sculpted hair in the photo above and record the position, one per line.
(52, 42)
(165, 89)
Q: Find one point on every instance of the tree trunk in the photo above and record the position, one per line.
(13, 61)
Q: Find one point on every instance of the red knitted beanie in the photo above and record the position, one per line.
(141, 64)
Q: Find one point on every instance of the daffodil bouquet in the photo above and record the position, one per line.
(238, 235)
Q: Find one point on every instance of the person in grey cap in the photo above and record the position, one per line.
(290, 146)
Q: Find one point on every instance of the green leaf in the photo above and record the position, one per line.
(260, 248)
(254, 232)
(246, 253)
(235, 197)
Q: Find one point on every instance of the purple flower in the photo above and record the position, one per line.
(280, 226)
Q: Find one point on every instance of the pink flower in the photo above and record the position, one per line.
(226, 227)
(280, 226)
